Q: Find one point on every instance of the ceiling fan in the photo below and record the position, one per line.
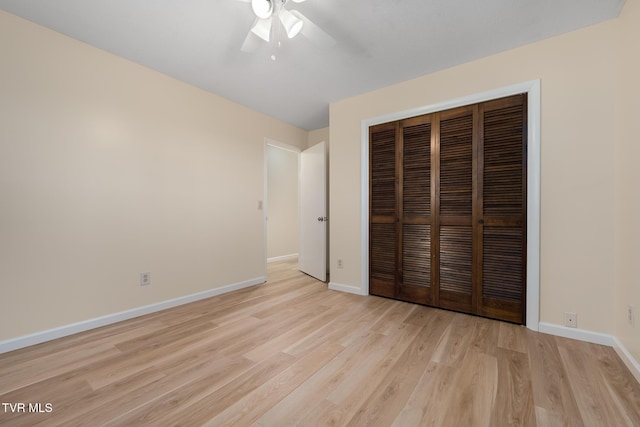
(271, 14)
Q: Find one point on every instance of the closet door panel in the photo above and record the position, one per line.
(502, 181)
(415, 280)
(455, 200)
(383, 210)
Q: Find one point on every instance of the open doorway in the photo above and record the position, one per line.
(296, 189)
(282, 190)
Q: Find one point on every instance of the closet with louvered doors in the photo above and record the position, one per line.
(448, 209)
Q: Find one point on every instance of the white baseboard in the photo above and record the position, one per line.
(597, 338)
(346, 288)
(74, 328)
(282, 258)
(627, 358)
(577, 334)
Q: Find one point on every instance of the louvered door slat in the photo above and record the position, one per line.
(502, 263)
(382, 259)
(417, 170)
(502, 273)
(503, 161)
(456, 267)
(456, 166)
(383, 248)
(383, 172)
(416, 255)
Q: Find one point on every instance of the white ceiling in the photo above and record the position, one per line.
(379, 42)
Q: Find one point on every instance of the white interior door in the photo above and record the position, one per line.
(313, 212)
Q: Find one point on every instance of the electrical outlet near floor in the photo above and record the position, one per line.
(570, 319)
(631, 314)
(145, 279)
(339, 263)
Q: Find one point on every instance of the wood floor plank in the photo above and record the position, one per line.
(588, 386)
(252, 406)
(355, 388)
(393, 318)
(62, 392)
(336, 329)
(551, 388)
(455, 340)
(53, 365)
(204, 398)
(74, 412)
(313, 392)
(476, 386)
(513, 337)
(514, 398)
(393, 392)
(428, 402)
(623, 387)
(290, 352)
(485, 336)
(108, 408)
(286, 339)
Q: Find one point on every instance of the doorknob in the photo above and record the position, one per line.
(322, 218)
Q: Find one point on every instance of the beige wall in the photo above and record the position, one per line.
(282, 197)
(109, 169)
(578, 73)
(318, 135)
(628, 178)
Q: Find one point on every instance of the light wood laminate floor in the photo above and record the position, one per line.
(291, 352)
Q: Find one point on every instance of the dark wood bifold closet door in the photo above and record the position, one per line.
(454, 223)
(415, 281)
(502, 228)
(448, 209)
(382, 212)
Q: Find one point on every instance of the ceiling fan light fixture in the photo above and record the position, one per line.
(262, 29)
(291, 23)
(262, 8)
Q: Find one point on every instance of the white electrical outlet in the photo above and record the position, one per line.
(339, 263)
(570, 319)
(631, 313)
(145, 279)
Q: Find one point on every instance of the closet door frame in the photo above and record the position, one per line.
(532, 89)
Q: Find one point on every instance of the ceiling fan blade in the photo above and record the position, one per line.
(314, 33)
(298, 1)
